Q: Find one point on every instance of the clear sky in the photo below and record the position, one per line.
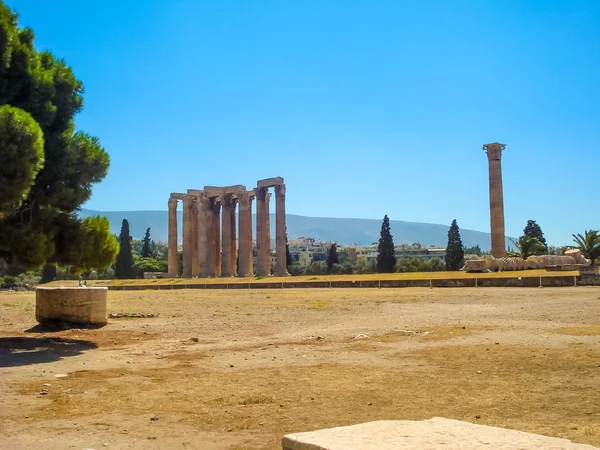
(364, 107)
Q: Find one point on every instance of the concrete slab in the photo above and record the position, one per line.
(435, 433)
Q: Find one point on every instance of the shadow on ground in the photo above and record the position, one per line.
(23, 351)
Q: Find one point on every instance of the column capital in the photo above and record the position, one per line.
(494, 150)
(172, 202)
(193, 203)
(215, 205)
(280, 190)
(261, 193)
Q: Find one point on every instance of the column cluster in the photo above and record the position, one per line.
(213, 246)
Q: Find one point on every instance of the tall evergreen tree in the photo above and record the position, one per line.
(533, 230)
(47, 167)
(455, 253)
(146, 246)
(124, 263)
(332, 257)
(386, 260)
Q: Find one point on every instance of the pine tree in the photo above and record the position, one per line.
(533, 230)
(146, 247)
(386, 260)
(332, 257)
(455, 253)
(124, 262)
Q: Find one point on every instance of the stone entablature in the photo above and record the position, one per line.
(210, 244)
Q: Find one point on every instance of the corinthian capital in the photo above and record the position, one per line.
(494, 150)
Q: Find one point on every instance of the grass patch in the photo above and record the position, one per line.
(592, 330)
(257, 399)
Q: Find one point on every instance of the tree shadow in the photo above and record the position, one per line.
(23, 351)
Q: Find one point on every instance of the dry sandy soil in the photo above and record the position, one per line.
(239, 369)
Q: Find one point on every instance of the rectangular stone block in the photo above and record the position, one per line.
(433, 434)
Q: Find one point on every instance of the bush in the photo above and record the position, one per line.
(8, 281)
(316, 268)
(142, 265)
(296, 269)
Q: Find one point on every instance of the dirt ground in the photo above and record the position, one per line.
(237, 369)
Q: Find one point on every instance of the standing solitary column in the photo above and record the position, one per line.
(187, 237)
(245, 235)
(172, 237)
(203, 236)
(261, 201)
(228, 218)
(494, 154)
(280, 232)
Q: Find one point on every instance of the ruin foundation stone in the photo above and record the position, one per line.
(80, 305)
(436, 433)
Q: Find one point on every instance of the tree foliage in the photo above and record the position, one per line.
(332, 257)
(533, 230)
(124, 263)
(528, 246)
(22, 153)
(589, 244)
(38, 223)
(386, 260)
(147, 245)
(455, 253)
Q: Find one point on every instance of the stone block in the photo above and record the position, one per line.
(435, 433)
(80, 305)
(475, 265)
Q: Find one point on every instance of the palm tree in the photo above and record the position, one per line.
(589, 244)
(528, 246)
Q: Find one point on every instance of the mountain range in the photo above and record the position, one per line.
(341, 230)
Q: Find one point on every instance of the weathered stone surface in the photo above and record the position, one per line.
(579, 258)
(435, 433)
(81, 305)
(475, 265)
(541, 261)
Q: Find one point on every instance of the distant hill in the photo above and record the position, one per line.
(343, 231)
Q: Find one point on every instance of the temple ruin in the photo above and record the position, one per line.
(210, 244)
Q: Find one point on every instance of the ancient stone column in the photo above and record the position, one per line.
(187, 237)
(204, 232)
(233, 246)
(261, 222)
(214, 247)
(280, 232)
(195, 253)
(245, 234)
(172, 255)
(494, 154)
(267, 232)
(227, 219)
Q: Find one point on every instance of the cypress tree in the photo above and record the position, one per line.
(124, 263)
(455, 253)
(146, 247)
(386, 260)
(332, 257)
(532, 229)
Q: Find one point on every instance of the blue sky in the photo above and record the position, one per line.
(364, 107)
